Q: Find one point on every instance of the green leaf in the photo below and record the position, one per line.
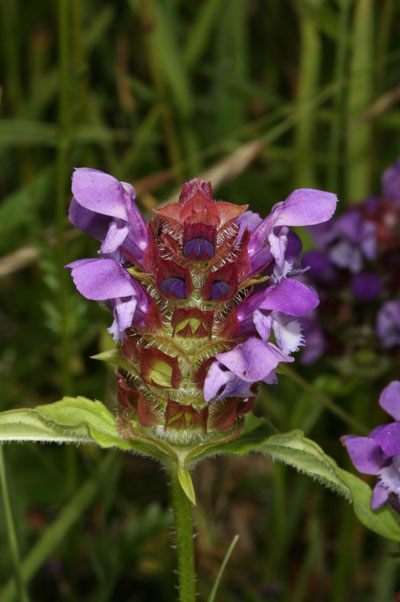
(306, 456)
(186, 482)
(71, 420)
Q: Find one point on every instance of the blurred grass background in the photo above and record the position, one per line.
(261, 97)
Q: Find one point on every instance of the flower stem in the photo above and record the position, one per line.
(12, 537)
(184, 539)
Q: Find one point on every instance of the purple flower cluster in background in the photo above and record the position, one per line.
(379, 453)
(355, 268)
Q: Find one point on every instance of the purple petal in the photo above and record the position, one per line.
(365, 454)
(304, 207)
(94, 224)
(260, 259)
(249, 220)
(99, 192)
(270, 379)
(290, 297)
(389, 438)
(294, 246)
(124, 311)
(101, 279)
(379, 496)
(389, 476)
(263, 324)
(220, 383)
(366, 286)
(116, 235)
(390, 399)
(288, 334)
(278, 245)
(252, 360)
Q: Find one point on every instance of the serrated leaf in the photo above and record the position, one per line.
(306, 456)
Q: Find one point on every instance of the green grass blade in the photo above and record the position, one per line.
(310, 55)
(358, 137)
(56, 532)
(199, 34)
(336, 127)
(228, 554)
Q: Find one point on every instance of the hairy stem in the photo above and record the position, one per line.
(184, 539)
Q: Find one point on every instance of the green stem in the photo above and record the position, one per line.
(182, 510)
(12, 537)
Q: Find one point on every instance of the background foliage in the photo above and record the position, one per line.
(261, 97)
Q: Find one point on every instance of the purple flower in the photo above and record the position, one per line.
(104, 208)
(391, 182)
(105, 280)
(269, 309)
(349, 240)
(388, 323)
(379, 453)
(270, 239)
(249, 220)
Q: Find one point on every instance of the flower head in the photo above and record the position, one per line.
(379, 453)
(196, 293)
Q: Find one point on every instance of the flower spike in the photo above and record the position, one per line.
(196, 295)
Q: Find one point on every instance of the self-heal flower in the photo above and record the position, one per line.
(197, 294)
(379, 453)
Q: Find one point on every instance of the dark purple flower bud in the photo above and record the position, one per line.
(174, 286)
(219, 289)
(199, 247)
